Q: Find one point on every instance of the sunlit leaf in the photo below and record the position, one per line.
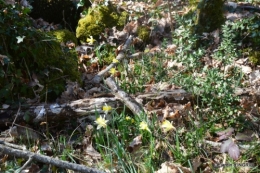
(230, 147)
(233, 151)
(225, 145)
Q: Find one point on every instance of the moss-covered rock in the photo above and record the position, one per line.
(64, 36)
(210, 15)
(97, 20)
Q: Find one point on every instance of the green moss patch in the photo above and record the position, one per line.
(97, 20)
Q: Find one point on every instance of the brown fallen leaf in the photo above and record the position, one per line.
(135, 144)
(24, 132)
(168, 167)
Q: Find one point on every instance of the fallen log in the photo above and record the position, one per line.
(90, 107)
(50, 112)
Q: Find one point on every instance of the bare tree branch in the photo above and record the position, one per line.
(47, 160)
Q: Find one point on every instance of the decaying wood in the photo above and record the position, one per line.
(177, 95)
(89, 107)
(38, 113)
(45, 159)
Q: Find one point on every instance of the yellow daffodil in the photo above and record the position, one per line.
(90, 40)
(115, 61)
(107, 108)
(167, 126)
(112, 71)
(101, 122)
(128, 118)
(143, 126)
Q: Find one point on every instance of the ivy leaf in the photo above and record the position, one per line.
(80, 4)
(20, 39)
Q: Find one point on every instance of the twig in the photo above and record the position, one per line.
(26, 164)
(47, 160)
(12, 145)
(16, 115)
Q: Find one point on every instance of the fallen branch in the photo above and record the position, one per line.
(131, 103)
(119, 57)
(45, 159)
(176, 95)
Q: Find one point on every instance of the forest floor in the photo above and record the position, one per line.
(169, 101)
